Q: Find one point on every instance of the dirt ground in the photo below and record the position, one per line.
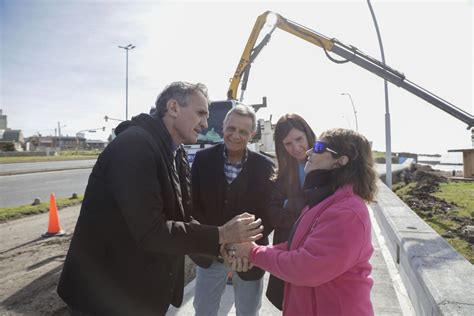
(420, 198)
(30, 265)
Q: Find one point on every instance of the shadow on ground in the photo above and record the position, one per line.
(38, 297)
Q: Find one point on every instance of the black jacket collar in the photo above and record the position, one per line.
(154, 126)
(316, 186)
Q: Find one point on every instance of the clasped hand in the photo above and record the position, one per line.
(241, 228)
(236, 256)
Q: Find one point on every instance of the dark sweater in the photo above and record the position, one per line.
(216, 202)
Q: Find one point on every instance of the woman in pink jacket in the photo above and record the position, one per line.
(325, 263)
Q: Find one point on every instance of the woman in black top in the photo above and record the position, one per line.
(293, 137)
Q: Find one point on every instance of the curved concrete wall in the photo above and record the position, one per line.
(439, 281)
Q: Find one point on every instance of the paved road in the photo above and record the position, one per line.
(74, 164)
(28, 167)
(23, 188)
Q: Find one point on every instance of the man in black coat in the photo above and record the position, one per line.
(127, 253)
(229, 179)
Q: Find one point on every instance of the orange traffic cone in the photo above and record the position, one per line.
(53, 227)
(229, 278)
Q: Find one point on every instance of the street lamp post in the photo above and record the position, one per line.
(127, 48)
(388, 137)
(58, 140)
(59, 128)
(353, 109)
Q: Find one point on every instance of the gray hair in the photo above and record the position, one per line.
(179, 91)
(243, 110)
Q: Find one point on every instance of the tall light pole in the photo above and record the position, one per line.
(353, 109)
(59, 128)
(58, 140)
(388, 137)
(127, 48)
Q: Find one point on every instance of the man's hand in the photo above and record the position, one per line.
(241, 228)
(243, 249)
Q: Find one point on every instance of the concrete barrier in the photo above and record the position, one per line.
(439, 281)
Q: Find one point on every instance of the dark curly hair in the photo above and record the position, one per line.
(359, 171)
(179, 91)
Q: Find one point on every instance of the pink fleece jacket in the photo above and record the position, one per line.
(327, 269)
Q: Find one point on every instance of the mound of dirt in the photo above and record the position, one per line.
(420, 198)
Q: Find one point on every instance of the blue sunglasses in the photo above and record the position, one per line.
(321, 147)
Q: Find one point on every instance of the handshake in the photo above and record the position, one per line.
(237, 238)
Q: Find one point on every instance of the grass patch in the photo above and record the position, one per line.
(9, 213)
(79, 153)
(45, 158)
(378, 154)
(461, 194)
(441, 225)
(463, 247)
(401, 189)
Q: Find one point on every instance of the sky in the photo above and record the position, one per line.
(60, 63)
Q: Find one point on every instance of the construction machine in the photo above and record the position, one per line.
(349, 53)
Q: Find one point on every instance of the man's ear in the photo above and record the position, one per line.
(343, 160)
(253, 134)
(173, 108)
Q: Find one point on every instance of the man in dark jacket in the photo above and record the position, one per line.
(127, 253)
(227, 180)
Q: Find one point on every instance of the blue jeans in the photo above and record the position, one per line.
(210, 284)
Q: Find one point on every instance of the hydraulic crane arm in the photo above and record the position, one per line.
(348, 52)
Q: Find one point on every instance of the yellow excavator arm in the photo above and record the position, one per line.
(250, 51)
(348, 52)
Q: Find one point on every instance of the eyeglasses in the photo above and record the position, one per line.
(321, 147)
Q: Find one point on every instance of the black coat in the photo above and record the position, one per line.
(283, 219)
(127, 253)
(250, 193)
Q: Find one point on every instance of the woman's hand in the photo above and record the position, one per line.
(236, 256)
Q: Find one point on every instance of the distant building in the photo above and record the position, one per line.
(404, 156)
(43, 143)
(472, 137)
(92, 144)
(3, 121)
(11, 140)
(468, 161)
